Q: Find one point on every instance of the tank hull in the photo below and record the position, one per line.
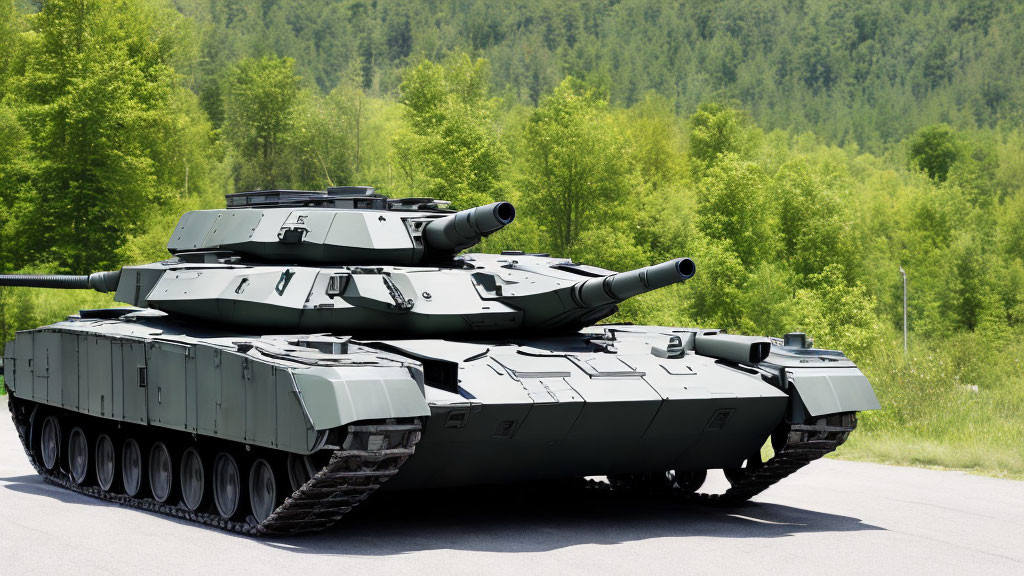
(560, 445)
(626, 402)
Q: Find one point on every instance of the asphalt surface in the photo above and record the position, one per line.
(832, 517)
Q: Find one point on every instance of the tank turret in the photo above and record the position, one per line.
(350, 261)
(343, 226)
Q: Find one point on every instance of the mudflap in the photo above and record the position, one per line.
(833, 390)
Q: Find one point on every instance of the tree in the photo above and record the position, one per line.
(97, 95)
(656, 140)
(9, 21)
(453, 151)
(261, 100)
(734, 206)
(716, 290)
(836, 314)
(576, 173)
(812, 220)
(319, 144)
(934, 150)
(16, 170)
(969, 296)
(714, 130)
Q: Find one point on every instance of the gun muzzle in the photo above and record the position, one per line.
(598, 292)
(463, 229)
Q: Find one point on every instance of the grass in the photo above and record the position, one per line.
(899, 449)
(952, 403)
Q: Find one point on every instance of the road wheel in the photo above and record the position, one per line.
(78, 456)
(49, 442)
(227, 485)
(689, 481)
(131, 467)
(644, 481)
(749, 466)
(105, 462)
(193, 479)
(161, 472)
(263, 489)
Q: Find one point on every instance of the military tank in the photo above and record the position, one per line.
(301, 350)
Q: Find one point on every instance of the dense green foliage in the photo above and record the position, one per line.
(451, 149)
(868, 71)
(801, 153)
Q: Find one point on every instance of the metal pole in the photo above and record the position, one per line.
(904, 274)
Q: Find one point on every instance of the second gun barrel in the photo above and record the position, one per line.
(98, 281)
(615, 288)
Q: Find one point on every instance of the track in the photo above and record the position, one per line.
(350, 476)
(795, 446)
(848, 517)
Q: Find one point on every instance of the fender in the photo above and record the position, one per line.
(336, 396)
(833, 390)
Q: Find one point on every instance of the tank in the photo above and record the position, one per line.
(301, 350)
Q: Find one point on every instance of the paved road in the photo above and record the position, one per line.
(833, 517)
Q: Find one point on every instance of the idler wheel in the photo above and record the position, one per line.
(105, 462)
(78, 456)
(49, 442)
(161, 472)
(227, 485)
(131, 467)
(262, 490)
(193, 479)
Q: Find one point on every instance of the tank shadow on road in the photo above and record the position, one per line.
(525, 518)
(538, 519)
(33, 484)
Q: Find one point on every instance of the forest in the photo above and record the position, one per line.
(802, 153)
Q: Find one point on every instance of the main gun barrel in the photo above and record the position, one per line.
(615, 288)
(461, 230)
(98, 281)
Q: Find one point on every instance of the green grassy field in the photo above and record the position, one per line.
(903, 450)
(956, 403)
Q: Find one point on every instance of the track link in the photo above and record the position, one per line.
(353, 473)
(349, 477)
(797, 446)
(801, 445)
